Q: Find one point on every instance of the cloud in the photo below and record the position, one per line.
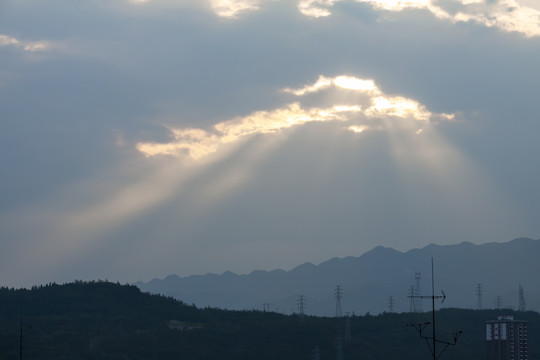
(316, 8)
(507, 15)
(198, 143)
(233, 8)
(31, 46)
(345, 82)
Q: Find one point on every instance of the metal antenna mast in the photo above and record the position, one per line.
(479, 297)
(338, 293)
(420, 327)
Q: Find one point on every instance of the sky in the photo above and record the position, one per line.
(142, 138)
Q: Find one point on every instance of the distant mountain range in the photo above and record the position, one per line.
(368, 281)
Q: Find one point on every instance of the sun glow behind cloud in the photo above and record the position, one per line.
(198, 143)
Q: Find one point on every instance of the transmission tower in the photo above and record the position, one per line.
(498, 302)
(479, 304)
(390, 304)
(347, 327)
(412, 306)
(301, 307)
(418, 293)
(421, 327)
(339, 348)
(522, 305)
(338, 293)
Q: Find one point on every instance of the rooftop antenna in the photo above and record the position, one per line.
(338, 293)
(479, 297)
(420, 327)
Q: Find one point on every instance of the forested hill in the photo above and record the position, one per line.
(102, 320)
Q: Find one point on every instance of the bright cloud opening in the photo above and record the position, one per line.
(198, 143)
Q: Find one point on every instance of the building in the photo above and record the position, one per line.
(506, 339)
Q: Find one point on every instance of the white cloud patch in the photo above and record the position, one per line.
(31, 46)
(198, 143)
(316, 8)
(507, 15)
(233, 8)
(345, 82)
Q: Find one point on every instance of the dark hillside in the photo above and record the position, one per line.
(102, 320)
